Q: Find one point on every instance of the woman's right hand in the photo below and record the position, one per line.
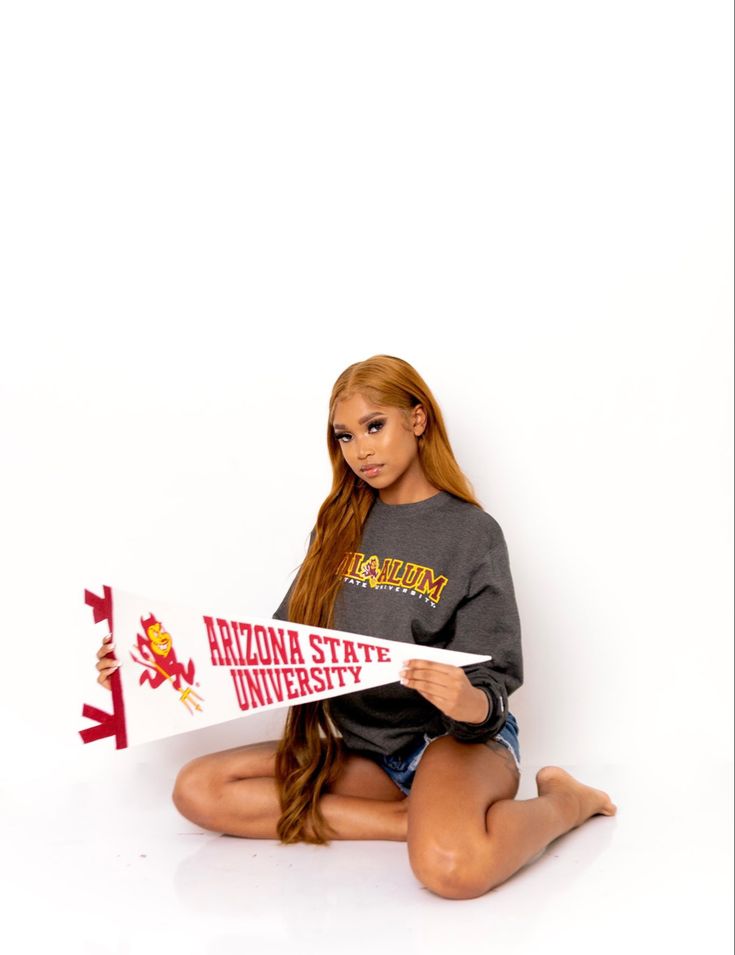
(106, 664)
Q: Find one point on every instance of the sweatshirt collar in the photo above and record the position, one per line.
(416, 507)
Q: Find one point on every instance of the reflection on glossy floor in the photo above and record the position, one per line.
(101, 862)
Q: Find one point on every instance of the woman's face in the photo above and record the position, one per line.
(379, 443)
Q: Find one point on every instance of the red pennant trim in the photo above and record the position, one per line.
(109, 724)
(121, 731)
(101, 606)
(92, 713)
(98, 732)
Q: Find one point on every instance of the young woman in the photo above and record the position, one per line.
(401, 550)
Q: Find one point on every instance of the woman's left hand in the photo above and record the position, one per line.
(448, 688)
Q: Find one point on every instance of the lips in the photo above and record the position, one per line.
(370, 467)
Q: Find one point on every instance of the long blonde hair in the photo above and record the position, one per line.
(307, 762)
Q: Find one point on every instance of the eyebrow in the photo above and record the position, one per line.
(362, 420)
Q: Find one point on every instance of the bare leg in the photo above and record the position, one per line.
(234, 792)
(216, 792)
(520, 829)
(466, 831)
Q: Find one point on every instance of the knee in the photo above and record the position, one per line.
(192, 794)
(451, 871)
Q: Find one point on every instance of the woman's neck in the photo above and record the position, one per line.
(409, 493)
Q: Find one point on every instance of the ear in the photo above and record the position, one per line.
(418, 417)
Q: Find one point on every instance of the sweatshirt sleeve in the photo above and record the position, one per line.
(487, 622)
(281, 612)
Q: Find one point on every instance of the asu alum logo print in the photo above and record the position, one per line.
(393, 574)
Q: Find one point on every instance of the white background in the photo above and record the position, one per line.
(209, 210)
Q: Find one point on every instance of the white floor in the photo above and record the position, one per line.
(103, 863)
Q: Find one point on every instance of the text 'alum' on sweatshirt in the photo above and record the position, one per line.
(432, 573)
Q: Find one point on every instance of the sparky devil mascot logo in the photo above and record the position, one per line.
(160, 664)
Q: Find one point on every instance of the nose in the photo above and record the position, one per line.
(363, 451)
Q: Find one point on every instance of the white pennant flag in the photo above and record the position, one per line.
(181, 670)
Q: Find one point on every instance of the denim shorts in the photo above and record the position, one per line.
(402, 768)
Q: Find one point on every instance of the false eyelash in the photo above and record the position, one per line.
(376, 421)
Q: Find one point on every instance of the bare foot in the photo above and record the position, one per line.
(590, 801)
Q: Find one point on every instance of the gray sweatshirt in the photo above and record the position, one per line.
(433, 573)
